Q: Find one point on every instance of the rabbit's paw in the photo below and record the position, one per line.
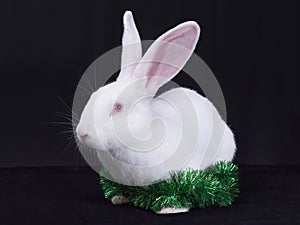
(173, 210)
(118, 200)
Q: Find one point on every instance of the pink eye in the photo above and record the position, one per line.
(116, 108)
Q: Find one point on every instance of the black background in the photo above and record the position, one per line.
(251, 46)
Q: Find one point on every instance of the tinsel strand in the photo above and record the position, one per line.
(216, 185)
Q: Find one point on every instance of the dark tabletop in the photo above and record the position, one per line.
(69, 195)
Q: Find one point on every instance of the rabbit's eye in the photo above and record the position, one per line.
(116, 108)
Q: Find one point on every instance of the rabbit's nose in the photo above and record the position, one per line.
(81, 132)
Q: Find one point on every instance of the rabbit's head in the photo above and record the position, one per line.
(127, 102)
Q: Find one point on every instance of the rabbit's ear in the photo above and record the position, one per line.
(131, 46)
(167, 56)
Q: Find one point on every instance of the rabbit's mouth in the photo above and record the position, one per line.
(113, 152)
(118, 154)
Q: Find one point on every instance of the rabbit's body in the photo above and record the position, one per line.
(129, 170)
(140, 138)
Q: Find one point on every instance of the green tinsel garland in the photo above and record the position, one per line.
(216, 185)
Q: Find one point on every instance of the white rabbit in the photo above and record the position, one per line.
(140, 138)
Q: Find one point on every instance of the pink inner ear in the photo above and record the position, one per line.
(161, 70)
(184, 37)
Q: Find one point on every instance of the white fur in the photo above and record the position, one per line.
(214, 139)
(173, 210)
(119, 200)
(132, 48)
